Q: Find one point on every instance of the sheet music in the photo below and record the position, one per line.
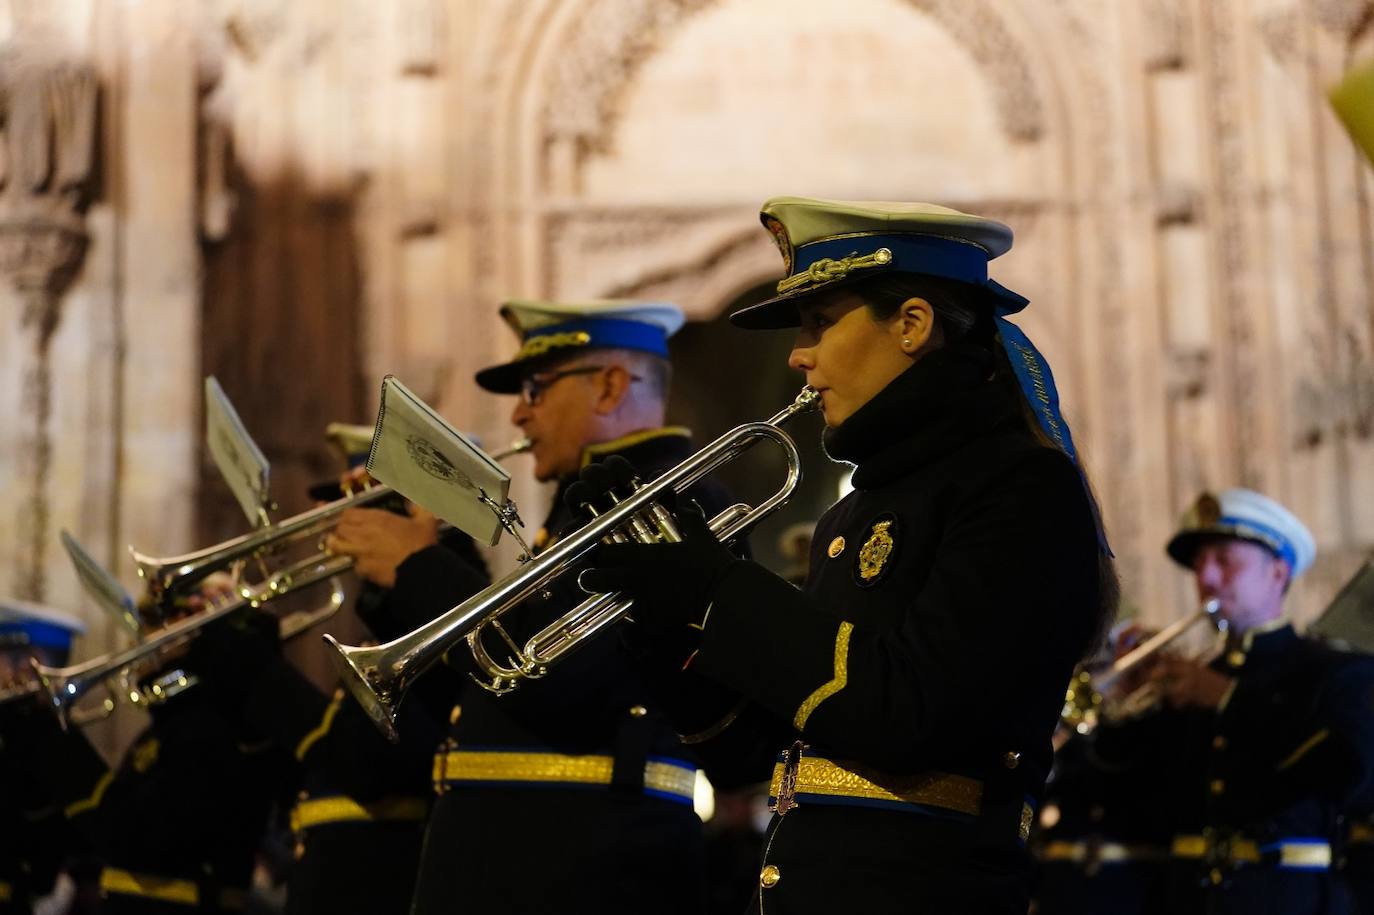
(421, 456)
(238, 457)
(102, 586)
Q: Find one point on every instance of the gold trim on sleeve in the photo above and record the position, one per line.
(94, 800)
(1307, 746)
(326, 722)
(826, 690)
(716, 729)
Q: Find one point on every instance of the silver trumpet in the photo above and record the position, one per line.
(173, 574)
(65, 686)
(379, 676)
(180, 574)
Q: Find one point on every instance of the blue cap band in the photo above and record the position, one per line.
(955, 260)
(1251, 529)
(35, 633)
(612, 333)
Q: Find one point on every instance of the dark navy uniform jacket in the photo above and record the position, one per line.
(33, 837)
(184, 811)
(949, 596)
(362, 802)
(1290, 750)
(562, 848)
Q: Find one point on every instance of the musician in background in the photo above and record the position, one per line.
(572, 794)
(913, 684)
(1258, 752)
(359, 814)
(178, 822)
(33, 837)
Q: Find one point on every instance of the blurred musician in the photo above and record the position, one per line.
(913, 684)
(362, 804)
(33, 839)
(1257, 753)
(177, 823)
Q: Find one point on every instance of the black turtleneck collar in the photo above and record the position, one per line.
(942, 401)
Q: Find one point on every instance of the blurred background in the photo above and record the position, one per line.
(300, 196)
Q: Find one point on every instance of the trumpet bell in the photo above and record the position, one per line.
(375, 681)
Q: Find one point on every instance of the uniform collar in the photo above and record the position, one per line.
(628, 444)
(932, 408)
(1266, 633)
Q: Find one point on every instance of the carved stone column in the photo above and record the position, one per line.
(48, 117)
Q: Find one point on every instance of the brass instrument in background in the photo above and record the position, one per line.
(1084, 704)
(379, 676)
(171, 579)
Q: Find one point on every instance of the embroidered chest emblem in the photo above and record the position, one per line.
(877, 550)
(836, 547)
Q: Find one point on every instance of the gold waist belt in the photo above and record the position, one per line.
(319, 811)
(672, 779)
(1100, 852)
(1306, 854)
(163, 889)
(823, 778)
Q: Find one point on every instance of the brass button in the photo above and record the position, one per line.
(769, 876)
(1218, 786)
(454, 714)
(638, 711)
(1215, 877)
(1218, 742)
(1236, 659)
(836, 547)
(1011, 759)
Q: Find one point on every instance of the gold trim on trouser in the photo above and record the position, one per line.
(164, 889)
(6, 892)
(501, 766)
(817, 775)
(1101, 852)
(1361, 834)
(321, 810)
(1247, 851)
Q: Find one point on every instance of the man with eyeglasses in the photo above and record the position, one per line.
(571, 794)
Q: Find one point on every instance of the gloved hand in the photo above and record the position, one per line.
(672, 583)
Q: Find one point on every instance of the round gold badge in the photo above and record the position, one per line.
(836, 547)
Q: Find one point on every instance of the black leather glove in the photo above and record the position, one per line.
(672, 583)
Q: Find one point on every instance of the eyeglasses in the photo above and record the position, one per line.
(532, 387)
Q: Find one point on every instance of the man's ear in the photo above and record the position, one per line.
(915, 325)
(614, 388)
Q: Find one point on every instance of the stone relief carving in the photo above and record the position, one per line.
(1335, 398)
(599, 60)
(980, 30)
(48, 118)
(1280, 31)
(612, 38)
(1344, 17)
(1166, 35)
(1229, 225)
(423, 28)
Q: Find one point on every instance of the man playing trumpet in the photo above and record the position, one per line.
(1256, 753)
(571, 794)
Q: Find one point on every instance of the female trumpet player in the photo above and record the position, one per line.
(910, 689)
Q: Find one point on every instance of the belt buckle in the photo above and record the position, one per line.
(787, 785)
